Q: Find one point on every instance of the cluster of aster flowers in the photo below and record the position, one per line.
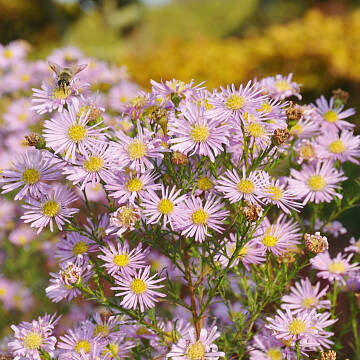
(186, 212)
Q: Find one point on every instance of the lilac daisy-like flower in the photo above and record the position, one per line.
(81, 344)
(74, 245)
(305, 128)
(54, 206)
(343, 147)
(304, 296)
(30, 172)
(337, 268)
(137, 152)
(196, 133)
(257, 132)
(30, 339)
(250, 253)
(248, 187)
(22, 235)
(123, 219)
(138, 289)
(174, 86)
(280, 87)
(167, 207)
(69, 133)
(200, 217)
(118, 348)
(232, 103)
(331, 117)
(316, 182)
(354, 246)
(108, 327)
(193, 348)
(126, 187)
(120, 259)
(63, 284)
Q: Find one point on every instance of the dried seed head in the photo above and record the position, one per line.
(280, 136)
(329, 355)
(33, 139)
(289, 256)
(178, 158)
(293, 112)
(341, 95)
(316, 244)
(252, 211)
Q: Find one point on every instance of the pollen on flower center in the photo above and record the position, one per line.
(83, 345)
(296, 129)
(196, 351)
(274, 354)
(309, 302)
(101, 328)
(77, 132)
(235, 102)
(265, 107)
(275, 192)
(32, 340)
(80, 248)
(242, 252)
(199, 217)
(306, 152)
(269, 240)
(30, 176)
(255, 130)
(331, 116)
(282, 85)
(121, 260)
(95, 163)
(296, 327)
(200, 133)
(50, 208)
(204, 184)
(337, 147)
(134, 185)
(246, 186)
(316, 182)
(138, 286)
(336, 267)
(136, 150)
(165, 206)
(59, 93)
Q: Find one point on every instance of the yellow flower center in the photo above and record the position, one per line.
(8, 54)
(136, 150)
(309, 302)
(94, 164)
(134, 185)
(199, 217)
(196, 351)
(337, 147)
(180, 85)
(77, 132)
(331, 116)
(101, 328)
(274, 354)
(306, 152)
(138, 286)
(337, 267)
(275, 192)
(282, 85)
(32, 340)
(83, 345)
(25, 77)
(235, 102)
(246, 186)
(50, 208)
(316, 182)
(2, 291)
(59, 93)
(265, 107)
(121, 260)
(204, 184)
(296, 129)
(30, 176)
(165, 206)
(126, 215)
(255, 130)
(113, 348)
(269, 240)
(242, 252)
(80, 248)
(200, 133)
(296, 327)
(22, 117)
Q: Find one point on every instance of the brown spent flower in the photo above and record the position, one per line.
(281, 135)
(252, 211)
(329, 355)
(33, 139)
(94, 114)
(340, 94)
(289, 256)
(178, 158)
(316, 244)
(293, 112)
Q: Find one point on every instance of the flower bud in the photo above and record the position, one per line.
(316, 244)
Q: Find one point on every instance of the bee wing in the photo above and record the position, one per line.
(55, 67)
(77, 68)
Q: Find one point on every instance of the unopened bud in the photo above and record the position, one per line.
(252, 211)
(293, 112)
(316, 244)
(280, 136)
(178, 158)
(340, 96)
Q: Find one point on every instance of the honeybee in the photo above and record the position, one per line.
(66, 74)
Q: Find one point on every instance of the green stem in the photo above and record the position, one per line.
(333, 299)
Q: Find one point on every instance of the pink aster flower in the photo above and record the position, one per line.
(337, 268)
(54, 206)
(196, 133)
(120, 259)
(191, 347)
(118, 348)
(138, 289)
(174, 86)
(343, 147)
(108, 327)
(331, 118)
(316, 182)
(13, 53)
(124, 219)
(280, 87)
(304, 296)
(30, 171)
(354, 246)
(200, 217)
(63, 284)
(22, 235)
(30, 339)
(236, 187)
(74, 245)
(305, 128)
(120, 95)
(167, 207)
(69, 132)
